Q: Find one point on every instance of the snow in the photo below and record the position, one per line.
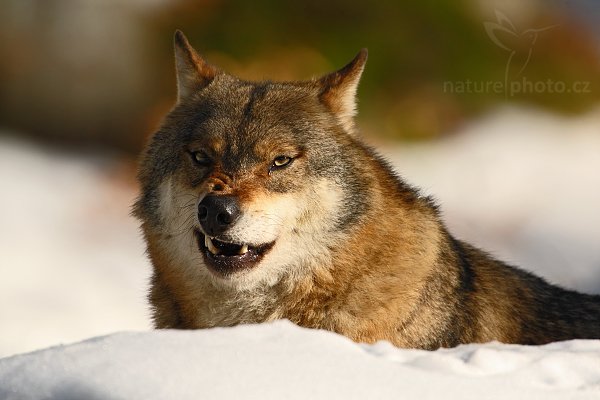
(522, 183)
(283, 361)
(71, 258)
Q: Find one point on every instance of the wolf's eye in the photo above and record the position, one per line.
(201, 158)
(280, 162)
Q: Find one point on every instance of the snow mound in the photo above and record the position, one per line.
(283, 361)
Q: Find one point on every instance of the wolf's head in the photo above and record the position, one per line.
(248, 181)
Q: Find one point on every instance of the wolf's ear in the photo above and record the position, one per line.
(193, 73)
(338, 90)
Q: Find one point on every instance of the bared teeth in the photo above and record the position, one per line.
(209, 244)
(223, 248)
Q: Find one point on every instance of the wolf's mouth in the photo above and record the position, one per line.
(227, 258)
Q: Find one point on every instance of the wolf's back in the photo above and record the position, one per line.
(526, 308)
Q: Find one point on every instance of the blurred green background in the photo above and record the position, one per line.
(100, 73)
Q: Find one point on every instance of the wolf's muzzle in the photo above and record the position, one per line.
(217, 213)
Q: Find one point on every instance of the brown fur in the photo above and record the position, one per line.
(357, 250)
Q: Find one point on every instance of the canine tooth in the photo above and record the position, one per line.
(244, 249)
(211, 247)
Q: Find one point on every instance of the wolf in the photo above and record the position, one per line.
(259, 201)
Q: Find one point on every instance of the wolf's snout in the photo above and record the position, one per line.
(217, 213)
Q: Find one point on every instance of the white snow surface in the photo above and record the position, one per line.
(521, 183)
(282, 361)
(72, 262)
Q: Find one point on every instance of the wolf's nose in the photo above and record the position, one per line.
(217, 213)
